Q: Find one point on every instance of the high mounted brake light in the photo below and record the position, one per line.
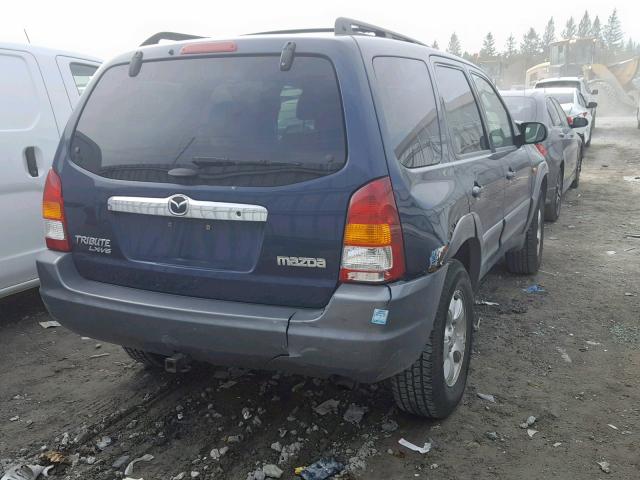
(373, 248)
(53, 214)
(208, 47)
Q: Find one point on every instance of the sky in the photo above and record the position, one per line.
(107, 28)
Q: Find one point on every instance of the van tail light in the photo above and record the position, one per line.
(53, 213)
(373, 248)
(541, 148)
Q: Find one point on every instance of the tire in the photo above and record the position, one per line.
(527, 260)
(148, 359)
(576, 180)
(422, 389)
(552, 209)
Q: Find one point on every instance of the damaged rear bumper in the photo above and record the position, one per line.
(340, 339)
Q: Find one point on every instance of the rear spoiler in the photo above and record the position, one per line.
(155, 39)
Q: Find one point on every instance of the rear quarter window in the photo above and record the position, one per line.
(233, 120)
(409, 106)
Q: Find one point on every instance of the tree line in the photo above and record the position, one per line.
(532, 45)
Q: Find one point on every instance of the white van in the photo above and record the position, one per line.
(38, 90)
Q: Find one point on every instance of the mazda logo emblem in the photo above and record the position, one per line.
(178, 205)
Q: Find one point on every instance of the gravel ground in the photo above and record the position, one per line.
(569, 356)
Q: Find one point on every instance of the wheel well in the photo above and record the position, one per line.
(543, 188)
(469, 255)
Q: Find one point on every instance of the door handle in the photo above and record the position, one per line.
(476, 191)
(32, 164)
(511, 174)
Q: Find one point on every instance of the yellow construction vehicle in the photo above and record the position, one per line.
(616, 83)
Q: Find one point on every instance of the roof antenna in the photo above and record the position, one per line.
(26, 35)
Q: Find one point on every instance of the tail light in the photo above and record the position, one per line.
(53, 214)
(373, 249)
(541, 148)
(570, 120)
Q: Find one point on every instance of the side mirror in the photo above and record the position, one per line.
(592, 104)
(533, 132)
(594, 92)
(579, 122)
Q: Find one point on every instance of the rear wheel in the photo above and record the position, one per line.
(148, 359)
(434, 384)
(552, 209)
(527, 260)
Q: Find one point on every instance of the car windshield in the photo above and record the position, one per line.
(233, 121)
(523, 109)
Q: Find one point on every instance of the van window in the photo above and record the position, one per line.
(18, 95)
(233, 120)
(82, 73)
(498, 121)
(409, 107)
(462, 114)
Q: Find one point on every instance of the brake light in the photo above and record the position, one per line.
(541, 148)
(53, 214)
(373, 249)
(208, 47)
(570, 120)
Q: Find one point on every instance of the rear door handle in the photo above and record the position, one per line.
(32, 164)
(476, 191)
(511, 174)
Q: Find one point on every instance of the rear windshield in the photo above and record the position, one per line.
(558, 84)
(562, 97)
(222, 121)
(523, 109)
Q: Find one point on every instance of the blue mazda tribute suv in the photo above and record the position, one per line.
(322, 203)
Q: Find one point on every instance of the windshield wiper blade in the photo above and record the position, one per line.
(225, 162)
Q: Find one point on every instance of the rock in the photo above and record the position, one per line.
(14, 419)
(528, 422)
(257, 475)
(604, 466)
(487, 397)
(327, 406)
(103, 443)
(120, 462)
(354, 414)
(272, 471)
(389, 426)
(90, 460)
(180, 476)
(491, 436)
(195, 474)
(289, 451)
(276, 446)
(531, 432)
(234, 438)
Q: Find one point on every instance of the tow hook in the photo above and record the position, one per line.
(177, 363)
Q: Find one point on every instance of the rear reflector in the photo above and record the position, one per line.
(373, 250)
(53, 214)
(208, 47)
(541, 148)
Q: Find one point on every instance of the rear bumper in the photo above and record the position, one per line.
(339, 339)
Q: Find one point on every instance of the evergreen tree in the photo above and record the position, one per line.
(596, 29)
(454, 47)
(569, 29)
(435, 45)
(530, 45)
(488, 46)
(584, 28)
(613, 36)
(549, 35)
(510, 47)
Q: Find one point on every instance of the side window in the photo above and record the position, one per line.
(19, 107)
(563, 116)
(409, 107)
(553, 114)
(462, 113)
(498, 121)
(82, 73)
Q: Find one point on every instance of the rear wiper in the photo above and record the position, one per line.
(225, 162)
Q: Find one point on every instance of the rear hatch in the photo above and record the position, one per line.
(219, 177)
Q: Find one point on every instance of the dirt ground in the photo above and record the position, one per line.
(569, 356)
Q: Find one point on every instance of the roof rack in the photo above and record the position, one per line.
(155, 39)
(349, 26)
